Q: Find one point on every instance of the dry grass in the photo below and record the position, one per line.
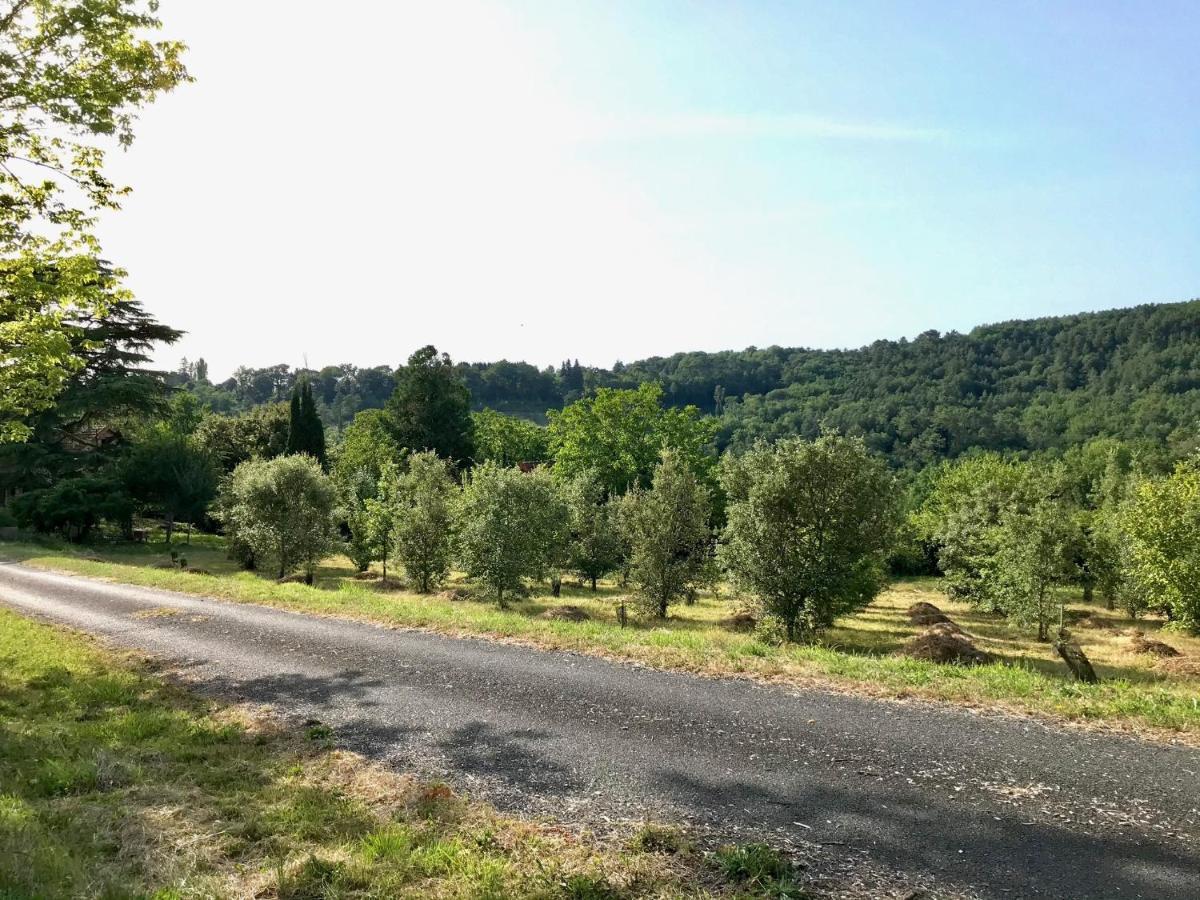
(713, 637)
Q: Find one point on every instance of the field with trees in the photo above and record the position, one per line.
(1006, 519)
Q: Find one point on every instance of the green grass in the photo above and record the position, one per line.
(859, 654)
(116, 784)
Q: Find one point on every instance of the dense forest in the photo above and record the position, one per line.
(1042, 384)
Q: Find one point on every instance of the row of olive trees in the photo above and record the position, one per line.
(808, 524)
(1010, 535)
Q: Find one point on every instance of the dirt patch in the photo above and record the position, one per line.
(456, 594)
(566, 614)
(1139, 643)
(1179, 665)
(944, 647)
(742, 621)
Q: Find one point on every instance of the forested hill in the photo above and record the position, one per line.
(1032, 384)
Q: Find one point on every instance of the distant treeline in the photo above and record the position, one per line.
(1041, 384)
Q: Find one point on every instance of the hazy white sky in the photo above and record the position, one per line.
(602, 180)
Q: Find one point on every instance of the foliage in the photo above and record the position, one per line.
(74, 73)
(261, 433)
(960, 517)
(509, 440)
(1162, 520)
(75, 506)
(282, 509)
(511, 525)
(431, 407)
(596, 547)
(666, 530)
(366, 445)
(809, 523)
(1035, 544)
(619, 435)
(168, 472)
(379, 514)
(354, 488)
(423, 523)
(306, 434)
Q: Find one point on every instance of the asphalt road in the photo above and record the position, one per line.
(990, 805)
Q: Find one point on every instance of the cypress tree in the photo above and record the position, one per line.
(306, 433)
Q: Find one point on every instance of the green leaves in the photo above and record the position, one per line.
(619, 436)
(808, 524)
(1162, 520)
(70, 73)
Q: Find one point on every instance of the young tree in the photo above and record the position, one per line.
(423, 520)
(595, 543)
(619, 436)
(282, 509)
(1035, 553)
(1162, 521)
(380, 513)
(354, 487)
(666, 528)
(511, 525)
(431, 407)
(75, 74)
(809, 525)
(960, 518)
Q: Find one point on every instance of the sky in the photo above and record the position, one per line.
(626, 178)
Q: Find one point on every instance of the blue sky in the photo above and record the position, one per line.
(619, 179)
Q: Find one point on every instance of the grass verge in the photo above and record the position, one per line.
(114, 783)
(859, 654)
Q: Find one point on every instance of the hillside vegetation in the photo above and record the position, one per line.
(1040, 384)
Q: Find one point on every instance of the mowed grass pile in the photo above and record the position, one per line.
(861, 653)
(114, 783)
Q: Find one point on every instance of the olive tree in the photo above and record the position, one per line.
(809, 525)
(282, 510)
(511, 525)
(1162, 522)
(666, 530)
(423, 523)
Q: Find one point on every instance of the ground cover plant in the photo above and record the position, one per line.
(861, 652)
(114, 783)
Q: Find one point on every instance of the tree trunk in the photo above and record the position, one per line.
(169, 525)
(593, 584)
(1089, 592)
(1072, 654)
(1110, 600)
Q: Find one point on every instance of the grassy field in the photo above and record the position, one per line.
(859, 654)
(114, 783)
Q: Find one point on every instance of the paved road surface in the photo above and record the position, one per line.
(997, 806)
